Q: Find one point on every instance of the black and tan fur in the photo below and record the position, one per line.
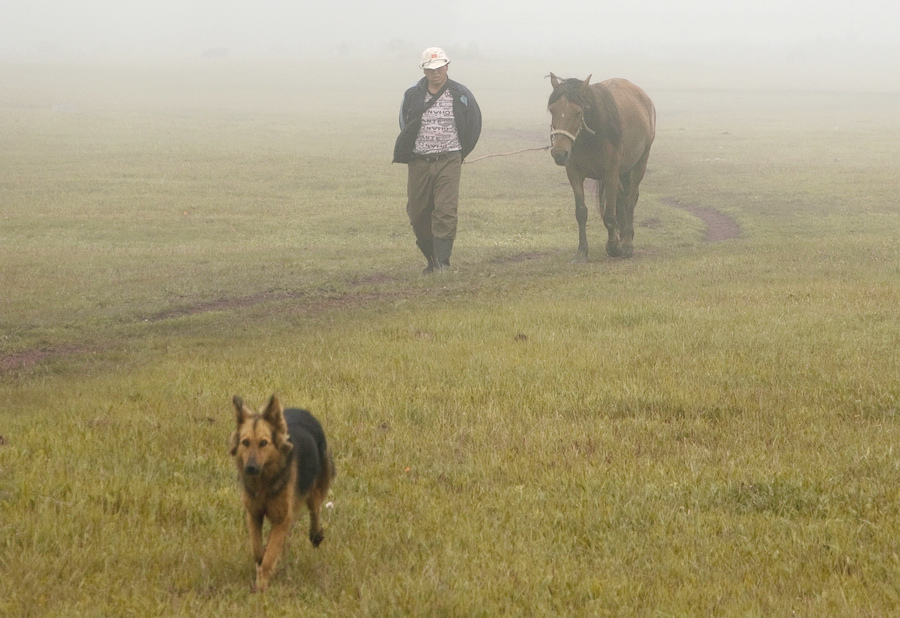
(283, 461)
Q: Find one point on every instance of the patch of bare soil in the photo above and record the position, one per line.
(219, 304)
(29, 358)
(519, 257)
(308, 305)
(239, 302)
(719, 226)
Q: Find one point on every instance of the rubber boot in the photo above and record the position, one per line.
(427, 248)
(442, 249)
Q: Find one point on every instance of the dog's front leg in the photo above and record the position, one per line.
(255, 525)
(277, 536)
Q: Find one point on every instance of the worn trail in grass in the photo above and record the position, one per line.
(719, 227)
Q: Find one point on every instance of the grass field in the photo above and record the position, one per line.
(704, 429)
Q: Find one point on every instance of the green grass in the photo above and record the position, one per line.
(705, 429)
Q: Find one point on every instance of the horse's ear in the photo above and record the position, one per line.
(554, 81)
(587, 82)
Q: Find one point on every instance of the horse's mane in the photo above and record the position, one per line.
(601, 114)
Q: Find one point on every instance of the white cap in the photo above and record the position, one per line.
(433, 58)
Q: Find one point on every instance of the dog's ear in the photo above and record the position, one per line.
(274, 410)
(241, 414)
(274, 415)
(242, 411)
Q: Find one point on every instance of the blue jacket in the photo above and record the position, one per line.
(465, 111)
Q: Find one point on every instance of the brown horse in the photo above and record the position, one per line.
(603, 131)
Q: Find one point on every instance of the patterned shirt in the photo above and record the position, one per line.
(438, 131)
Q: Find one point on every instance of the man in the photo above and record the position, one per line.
(440, 123)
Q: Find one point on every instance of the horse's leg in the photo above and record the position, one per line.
(631, 193)
(623, 213)
(581, 214)
(609, 188)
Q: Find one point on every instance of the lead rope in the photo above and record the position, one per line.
(505, 154)
(552, 133)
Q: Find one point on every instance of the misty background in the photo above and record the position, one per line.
(839, 32)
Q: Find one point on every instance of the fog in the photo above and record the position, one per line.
(163, 29)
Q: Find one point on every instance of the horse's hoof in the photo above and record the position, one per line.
(613, 250)
(580, 258)
(627, 251)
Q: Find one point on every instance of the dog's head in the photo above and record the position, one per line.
(259, 440)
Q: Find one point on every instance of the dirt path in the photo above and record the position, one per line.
(719, 226)
(29, 358)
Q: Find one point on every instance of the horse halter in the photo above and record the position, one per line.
(569, 135)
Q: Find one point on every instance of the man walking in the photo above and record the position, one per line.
(440, 123)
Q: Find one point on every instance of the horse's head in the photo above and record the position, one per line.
(566, 107)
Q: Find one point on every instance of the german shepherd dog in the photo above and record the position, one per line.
(282, 460)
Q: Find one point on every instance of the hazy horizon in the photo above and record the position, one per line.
(166, 29)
